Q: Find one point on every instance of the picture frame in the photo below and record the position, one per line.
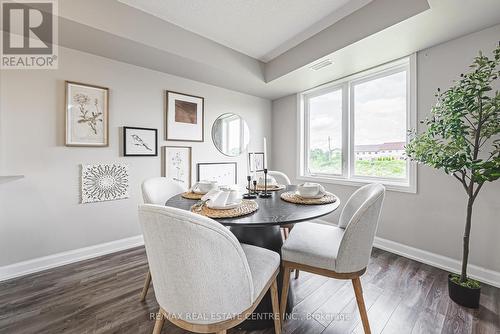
(177, 164)
(86, 115)
(104, 182)
(185, 117)
(259, 161)
(225, 173)
(140, 142)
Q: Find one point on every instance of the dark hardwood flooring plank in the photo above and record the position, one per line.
(101, 296)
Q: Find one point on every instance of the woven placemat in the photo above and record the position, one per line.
(292, 197)
(270, 188)
(246, 207)
(191, 195)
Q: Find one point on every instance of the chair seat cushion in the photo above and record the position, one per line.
(263, 263)
(313, 244)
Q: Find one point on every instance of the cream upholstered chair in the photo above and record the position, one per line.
(282, 178)
(205, 280)
(341, 251)
(157, 190)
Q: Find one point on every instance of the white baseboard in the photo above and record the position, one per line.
(484, 275)
(35, 265)
(60, 259)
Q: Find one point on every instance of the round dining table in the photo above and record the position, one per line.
(262, 228)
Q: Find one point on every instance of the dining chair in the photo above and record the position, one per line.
(341, 251)
(205, 280)
(282, 178)
(157, 190)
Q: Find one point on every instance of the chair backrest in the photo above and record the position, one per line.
(359, 218)
(199, 270)
(280, 177)
(157, 190)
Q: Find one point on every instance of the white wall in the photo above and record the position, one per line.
(41, 214)
(433, 219)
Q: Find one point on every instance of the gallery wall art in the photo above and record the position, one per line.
(222, 172)
(104, 182)
(177, 164)
(87, 115)
(140, 142)
(185, 117)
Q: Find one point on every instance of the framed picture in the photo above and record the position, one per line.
(185, 117)
(222, 172)
(86, 115)
(256, 161)
(177, 164)
(140, 142)
(104, 182)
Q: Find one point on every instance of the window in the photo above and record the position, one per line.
(354, 130)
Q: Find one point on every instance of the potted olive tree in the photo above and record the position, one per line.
(462, 137)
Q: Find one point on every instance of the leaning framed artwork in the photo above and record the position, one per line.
(256, 161)
(222, 172)
(87, 115)
(140, 142)
(184, 117)
(177, 164)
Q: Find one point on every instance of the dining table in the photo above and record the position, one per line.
(262, 228)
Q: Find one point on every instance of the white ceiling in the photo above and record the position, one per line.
(262, 29)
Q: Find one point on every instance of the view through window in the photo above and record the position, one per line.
(357, 128)
(325, 133)
(380, 126)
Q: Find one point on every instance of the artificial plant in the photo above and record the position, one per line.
(462, 135)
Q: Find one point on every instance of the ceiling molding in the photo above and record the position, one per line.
(345, 32)
(155, 44)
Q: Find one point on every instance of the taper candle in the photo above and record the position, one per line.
(265, 153)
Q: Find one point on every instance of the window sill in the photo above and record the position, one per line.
(391, 186)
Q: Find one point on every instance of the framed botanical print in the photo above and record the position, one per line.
(177, 164)
(86, 115)
(222, 172)
(140, 142)
(256, 161)
(185, 117)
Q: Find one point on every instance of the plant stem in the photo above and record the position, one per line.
(468, 224)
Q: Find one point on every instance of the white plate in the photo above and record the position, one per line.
(310, 197)
(225, 207)
(199, 192)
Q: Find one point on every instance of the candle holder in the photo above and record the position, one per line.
(265, 194)
(255, 188)
(249, 194)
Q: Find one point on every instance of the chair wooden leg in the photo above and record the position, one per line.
(145, 288)
(287, 232)
(276, 308)
(358, 291)
(296, 274)
(284, 292)
(160, 320)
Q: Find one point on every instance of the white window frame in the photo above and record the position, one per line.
(409, 183)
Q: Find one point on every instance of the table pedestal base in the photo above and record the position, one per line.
(268, 237)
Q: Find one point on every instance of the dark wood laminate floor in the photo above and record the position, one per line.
(102, 296)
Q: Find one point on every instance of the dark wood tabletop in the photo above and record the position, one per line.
(272, 211)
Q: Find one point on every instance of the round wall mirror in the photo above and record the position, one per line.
(230, 134)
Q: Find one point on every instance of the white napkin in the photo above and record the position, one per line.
(219, 198)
